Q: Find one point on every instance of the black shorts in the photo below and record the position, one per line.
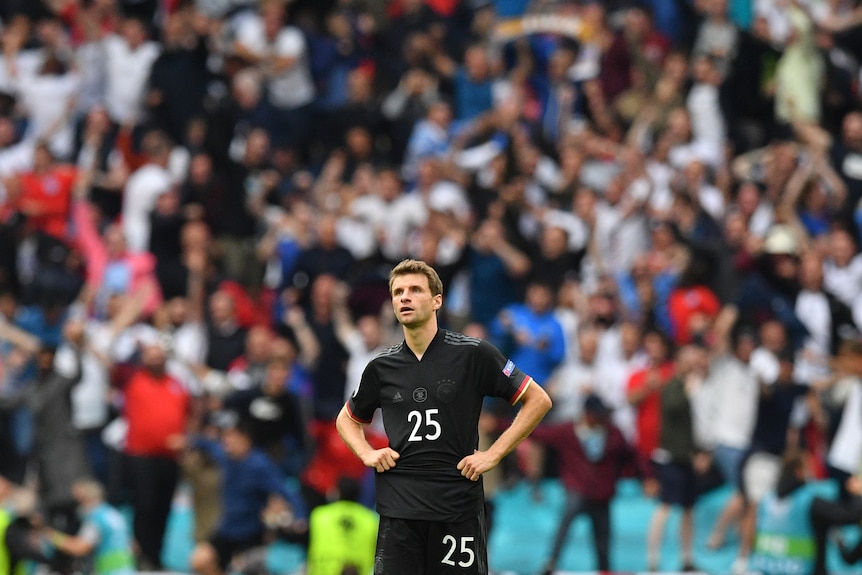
(227, 549)
(407, 546)
(677, 484)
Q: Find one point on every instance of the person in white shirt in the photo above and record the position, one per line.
(614, 374)
(707, 121)
(128, 58)
(49, 98)
(374, 209)
(730, 399)
(842, 268)
(142, 189)
(280, 52)
(575, 379)
(621, 226)
(814, 308)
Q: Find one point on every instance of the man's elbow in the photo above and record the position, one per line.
(547, 403)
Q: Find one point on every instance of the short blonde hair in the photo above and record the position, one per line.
(91, 489)
(407, 267)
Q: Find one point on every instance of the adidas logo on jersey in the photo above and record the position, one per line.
(397, 397)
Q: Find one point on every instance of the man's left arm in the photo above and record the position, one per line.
(535, 403)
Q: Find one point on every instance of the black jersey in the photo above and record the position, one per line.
(431, 413)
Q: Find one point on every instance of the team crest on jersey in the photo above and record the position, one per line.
(420, 395)
(509, 368)
(446, 390)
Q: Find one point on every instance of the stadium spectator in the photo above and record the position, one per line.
(251, 486)
(46, 194)
(530, 333)
(225, 336)
(128, 58)
(678, 457)
(143, 188)
(272, 414)
(157, 410)
(644, 394)
(496, 267)
(592, 455)
(58, 449)
(279, 51)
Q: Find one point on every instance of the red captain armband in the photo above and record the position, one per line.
(525, 383)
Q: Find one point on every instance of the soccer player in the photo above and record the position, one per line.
(430, 389)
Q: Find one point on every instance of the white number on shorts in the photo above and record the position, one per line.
(429, 422)
(465, 550)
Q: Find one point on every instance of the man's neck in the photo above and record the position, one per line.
(418, 339)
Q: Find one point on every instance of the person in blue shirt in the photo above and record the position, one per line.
(473, 84)
(531, 333)
(785, 537)
(252, 486)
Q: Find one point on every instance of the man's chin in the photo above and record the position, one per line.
(411, 322)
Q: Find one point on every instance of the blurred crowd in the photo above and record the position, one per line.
(653, 207)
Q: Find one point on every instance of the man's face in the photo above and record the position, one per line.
(412, 300)
(852, 130)
(539, 298)
(236, 443)
(153, 357)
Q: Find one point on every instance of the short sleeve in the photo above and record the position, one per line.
(499, 376)
(249, 34)
(366, 399)
(90, 533)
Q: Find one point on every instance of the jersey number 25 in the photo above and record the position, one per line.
(431, 427)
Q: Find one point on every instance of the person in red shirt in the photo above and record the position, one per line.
(332, 459)
(46, 194)
(156, 409)
(692, 305)
(592, 454)
(643, 393)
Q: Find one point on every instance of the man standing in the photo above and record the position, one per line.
(430, 389)
(156, 408)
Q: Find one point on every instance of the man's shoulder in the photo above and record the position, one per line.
(388, 352)
(453, 338)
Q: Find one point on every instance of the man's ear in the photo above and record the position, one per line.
(438, 301)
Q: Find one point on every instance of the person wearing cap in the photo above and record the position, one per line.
(592, 454)
(769, 292)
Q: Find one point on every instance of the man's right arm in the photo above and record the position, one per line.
(352, 432)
